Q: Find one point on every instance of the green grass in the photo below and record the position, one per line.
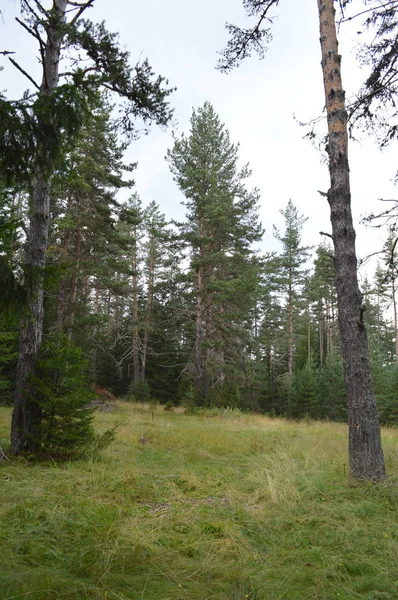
(224, 508)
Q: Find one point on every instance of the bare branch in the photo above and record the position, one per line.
(83, 7)
(366, 258)
(32, 32)
(43, 11)
(368, 10)
(2, 455)
(329, 235)
(16, 65)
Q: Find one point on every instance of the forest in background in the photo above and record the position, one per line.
(114, 296)
(191, 312)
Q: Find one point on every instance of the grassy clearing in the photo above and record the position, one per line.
(194, 508)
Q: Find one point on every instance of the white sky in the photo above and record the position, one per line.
(256, 102)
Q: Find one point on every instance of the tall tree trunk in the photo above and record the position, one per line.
(26, 416)
(365, 451)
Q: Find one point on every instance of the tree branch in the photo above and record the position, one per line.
(242, 40)
(16, 65)
(83, 7)
(2, 455)
(33, 33)
(39, 6)
(329, 235)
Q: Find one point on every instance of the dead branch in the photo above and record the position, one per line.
(3, 455)
(17, 66)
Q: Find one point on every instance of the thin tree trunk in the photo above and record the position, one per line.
(221, 356)
(94, 350)
(328, 330)
(148, 308)
(365, 451)
(116, 313)
(26, 416)
(290, 309)
(61, 301)
(199, 335)
(321, 342)
(75, 276)
(136, 365)
(394, 303)
(62, 289)
(208, 367)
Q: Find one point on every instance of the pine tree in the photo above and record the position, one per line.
(221, 224)
(292, 273)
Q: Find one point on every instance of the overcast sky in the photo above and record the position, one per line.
(257, 102)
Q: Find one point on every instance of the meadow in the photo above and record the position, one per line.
(199, 507)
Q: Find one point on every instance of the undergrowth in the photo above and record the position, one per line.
(202, 507)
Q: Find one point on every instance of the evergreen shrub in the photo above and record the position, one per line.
(139, 391)
(65, 396)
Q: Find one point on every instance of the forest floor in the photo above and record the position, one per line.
(180, 507)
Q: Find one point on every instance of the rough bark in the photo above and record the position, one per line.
(26, 415)
(365, 451)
